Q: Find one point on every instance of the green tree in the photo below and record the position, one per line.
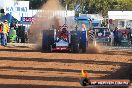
(88, 6)
(35, 4)
(124, 5)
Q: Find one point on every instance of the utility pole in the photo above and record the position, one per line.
(66, 14)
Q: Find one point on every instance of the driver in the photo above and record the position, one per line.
(64, 34)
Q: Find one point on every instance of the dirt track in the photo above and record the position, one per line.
(22, 67)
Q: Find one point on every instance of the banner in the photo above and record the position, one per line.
(27, 19)
(16, 6)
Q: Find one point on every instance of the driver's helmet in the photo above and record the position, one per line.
(64, 30)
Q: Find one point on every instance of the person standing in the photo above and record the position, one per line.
(130, 36)
(1, 31)
(116, 36)
(5, 33)
(83, 27)
(111, 38)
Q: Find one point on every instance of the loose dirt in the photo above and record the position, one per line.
(22, 67)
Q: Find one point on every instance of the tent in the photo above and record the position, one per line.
(8, 17)
(83, 18)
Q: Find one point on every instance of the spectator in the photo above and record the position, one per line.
(116, 36)
(1, 27)
(20, 34)
(26, 34)
(76, 27)
(6, 30)
(111, 38)
(12, 24)
(83, 27)
(130, 36)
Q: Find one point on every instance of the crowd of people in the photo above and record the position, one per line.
(117, 36)
(5, 32)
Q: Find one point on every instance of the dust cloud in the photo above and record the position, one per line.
(45, 18)
(95, 49)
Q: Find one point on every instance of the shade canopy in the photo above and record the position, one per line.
(83, 18)
(8, 17)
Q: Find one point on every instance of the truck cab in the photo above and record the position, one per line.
(82, 20)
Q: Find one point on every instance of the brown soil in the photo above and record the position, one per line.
(22, 67)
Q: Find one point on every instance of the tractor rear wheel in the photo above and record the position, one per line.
(47, 40)
(75, 43)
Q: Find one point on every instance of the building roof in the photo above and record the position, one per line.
(83, 18)
(126, 15)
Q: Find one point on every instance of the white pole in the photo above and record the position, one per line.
(108, 25)
(66, 14)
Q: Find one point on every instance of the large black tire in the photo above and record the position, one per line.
(47, 40)
(75, 43)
